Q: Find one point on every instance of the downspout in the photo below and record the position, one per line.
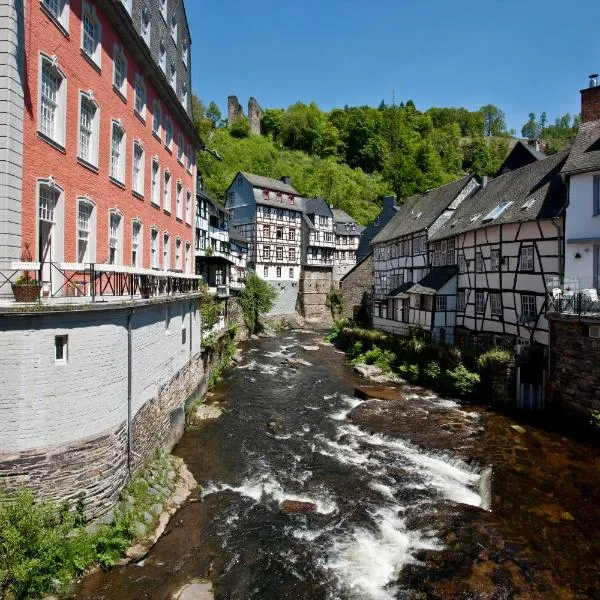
(129, 369)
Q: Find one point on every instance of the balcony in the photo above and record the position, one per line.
(565, 297)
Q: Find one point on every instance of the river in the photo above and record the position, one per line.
(416, 498)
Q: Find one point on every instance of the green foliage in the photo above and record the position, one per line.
(213, 114)
(462, 382)
(336, 331)
(355, 350)
(495, 356)
(256, 299)
(431, 373)
(375, 356)
(240, 128)
(409, 371)
(210, 310)
(334, 301)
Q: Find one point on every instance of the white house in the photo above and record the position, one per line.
(582, 173)
(347, 238)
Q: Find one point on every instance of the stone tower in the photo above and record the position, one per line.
(234, 110)
(255, 113)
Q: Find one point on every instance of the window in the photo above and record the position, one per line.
(462, 263)
(185, 53)
(450, 256)
(117, 152)
(460, 300)
(173, 75)
(291, 273)
(154, 248)
(146, 26)
(179, 200)
(166, 251)
(90, 33)
(279, 252)
(162, 53)
(266, 231)
(441, 303)
(266, 272)
(479, 303)
(53, 86)
(85, 232)
(188, 207)
(292, 254)
(120, 71)
(279, 233)
(155, 182)
(479, 264)
(279, 272)
(47, 203)
(59, 9)
(136, 243)
(419, 245)
(426, 302)
(266, 252)
(178, 254)
(495, 260)
(89, 117)
(527, 258)
(168, 132)
(292, 234)
(187, 257)
(167, 191)
(528, 307)
(114, 238)
(174, 27)
(596, 195)
(139, 168)
(496, 304)
(156, 117)
(61, 343)
(140, 96)
(497, 211)
(184, 96)
(322, 221)
(180, 148)
(163, 9)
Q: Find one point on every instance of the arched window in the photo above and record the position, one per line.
(117, 152)
(89, 129)
(86, 231)
(53, 100)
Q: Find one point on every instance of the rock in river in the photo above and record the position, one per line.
(296, 506)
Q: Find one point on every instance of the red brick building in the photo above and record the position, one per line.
(108, 147)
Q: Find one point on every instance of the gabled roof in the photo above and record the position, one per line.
(350, 229)
(236, 235)
(585, 153)
(419, 212)
(521, 154)
(269, 183)
(204, 194)
(401, 290)
(434, 280)
(308, 222)
(317, 206)
(360, 262)
(341, 216)
(535, 191)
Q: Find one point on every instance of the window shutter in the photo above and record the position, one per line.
(596, 195)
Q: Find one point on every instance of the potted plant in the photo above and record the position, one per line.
(26, 288)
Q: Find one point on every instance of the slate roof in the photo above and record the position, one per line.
(340, 219)
(421, 211)
(204, 194)
(341, 216)
(538, 184)
(270, 184)
(434, 280)
(341, 229)
(317, 206)
(403, 289)
(236, 235)
(308, 222)
(585, 153)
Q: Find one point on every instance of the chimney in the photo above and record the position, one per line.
(287, 180)
(535, 144)
(389, 201)
(484, 181)
(590, 101)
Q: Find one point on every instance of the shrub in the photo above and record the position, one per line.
(336, 330)
(355, 350)
(493, 357)
(408, 371)
(256, 299)
(375, 356)
(334, 301)
(432, 373)
(240, 128)
(461, 382)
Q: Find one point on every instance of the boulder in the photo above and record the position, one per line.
(310, 348)
(237, 357)
(297, 361)
(195, 591)
(296, 506)
(377, 392)
(374, 373)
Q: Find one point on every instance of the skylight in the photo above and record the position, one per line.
(475, 217)
(494, 214)
(418, 215)
(528, 204)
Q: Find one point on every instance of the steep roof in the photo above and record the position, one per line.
(535, 191)
(236, 235)
(421, 211)
(270, 184)
(585, 153)
(521, 154)
(341, 216)
(204, 194)
(350, 229)
(317, 206)
(434, 280)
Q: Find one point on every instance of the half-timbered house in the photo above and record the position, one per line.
(389, 209)
(268, 212)
(401, 258)
(505, 243)
(238, 249)
(347, 237)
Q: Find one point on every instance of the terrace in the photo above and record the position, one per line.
(564, 296)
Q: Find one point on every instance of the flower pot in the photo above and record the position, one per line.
(26, 292)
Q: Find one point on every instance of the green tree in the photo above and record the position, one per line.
(240, 128)
(494, 120)
(531, 129)
(255, 299)
(213, 114)
(303, 127)
(272, 122)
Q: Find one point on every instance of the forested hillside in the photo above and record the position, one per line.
(353, 156)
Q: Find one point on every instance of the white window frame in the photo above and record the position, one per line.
(184, 95)
(168, 132)
(137, 182)
(154, 248)
(164, 8)
(188, 155)
(441, 303)
(60, 17)
(162, 55)
(462, 263)
(119, 55)
(156, 117)
(155, 181)
(173, 75)
(461, 300)
(479, 303)
(527, 259)
(180, 148)
(479, 263)
(495, 304)
(179, 200)
(140, 95)
(119, 174)
(188, 257)
(89, 11)
(146, 24)
(116, 241)
(173, 26)
(495, 259)
(166, 262)
(185, 52)
(167, 185)
(529, 306)
(90, 255)
(178, 247)
(94, 139)
(139, 244)
(188, 206)
(58, 103)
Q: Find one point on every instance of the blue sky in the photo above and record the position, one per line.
(524, 56)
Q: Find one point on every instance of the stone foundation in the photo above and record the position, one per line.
(315, 284)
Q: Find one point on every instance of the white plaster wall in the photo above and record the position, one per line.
(45, 403)
(581, 222)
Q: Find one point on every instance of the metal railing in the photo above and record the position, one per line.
(565, 297)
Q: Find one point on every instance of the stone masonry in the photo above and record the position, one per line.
(255, 113)
(574, 378)
(315, 284)
(357, 285)
(234, 110)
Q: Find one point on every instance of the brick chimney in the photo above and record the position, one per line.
(590, 101)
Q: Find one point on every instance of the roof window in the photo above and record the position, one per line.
(494, 214)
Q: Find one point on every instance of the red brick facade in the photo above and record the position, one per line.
(42, 159)
(590, 104)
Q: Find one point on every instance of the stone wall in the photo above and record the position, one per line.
(255, 114)
(66, 426)
(315, 284)
(574, 378)
(234, 110)
(287, 297)
(356, 286)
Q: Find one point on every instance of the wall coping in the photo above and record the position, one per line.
(570, 318)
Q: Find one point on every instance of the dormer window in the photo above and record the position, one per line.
(184, 95)
(173, 75)
(163, 9)
(528, 204)
(174, 27)
(185, 53)
(497, 211)
(163, 55)
(146, 26)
